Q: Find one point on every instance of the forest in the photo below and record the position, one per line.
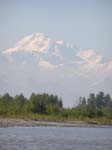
(50, 107)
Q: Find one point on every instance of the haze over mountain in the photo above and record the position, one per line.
(38, 63)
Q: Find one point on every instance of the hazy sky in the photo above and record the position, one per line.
(56, 67)
(87, 23)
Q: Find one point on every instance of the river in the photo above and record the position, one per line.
(55, 138)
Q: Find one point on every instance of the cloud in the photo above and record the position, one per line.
(47, 65)
(89, 55)
(93, 63)
(59, 42)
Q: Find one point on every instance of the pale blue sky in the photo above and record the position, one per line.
(87, 23)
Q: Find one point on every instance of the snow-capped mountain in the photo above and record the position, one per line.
(38, 63)
(47, 50)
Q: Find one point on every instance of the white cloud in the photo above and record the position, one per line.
(47, 65)
(88, 55)
(92, 63)
(59, 42)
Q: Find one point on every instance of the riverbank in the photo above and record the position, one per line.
(11, 122)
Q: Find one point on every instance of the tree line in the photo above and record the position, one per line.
(37, 103)
(95, 106)
(98, 105)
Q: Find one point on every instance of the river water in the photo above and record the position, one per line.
(55, 138)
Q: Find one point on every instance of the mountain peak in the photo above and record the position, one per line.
(41, 44)
(38, 42)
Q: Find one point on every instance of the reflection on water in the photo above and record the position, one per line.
(55, 138)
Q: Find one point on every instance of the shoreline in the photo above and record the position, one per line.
(11, 122)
